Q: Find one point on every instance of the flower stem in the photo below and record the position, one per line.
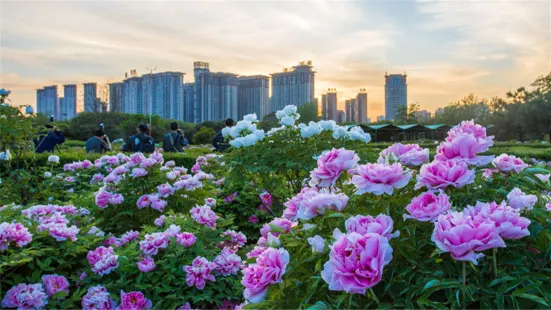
(464, 273)
(495, 262)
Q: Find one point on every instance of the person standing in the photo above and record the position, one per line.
(98, 143)
(174, 140)
(219, 142)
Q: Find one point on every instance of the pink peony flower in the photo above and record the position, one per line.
(518, 200)
(220, 182)
(381, 225)
(97, 298)
(204, 216)
(102, 198)
(159, 204)
(129, 236)
(186, 239)
(463, 147)
(231, 197)
(158, 157)
(380, 179)
(54, 283)
(138, 172)
(82, 276)
(116, 199)
(283, 224)
(509, 164)
(488, 173)
(186, 306)
(548, 206)
(165, 190)
(507, 220)
(196, 168)
(143, 202)
(331, 164)
(543, 177)
(237, 239)
(428, 206)
(356, 262)
(462, 236)
(170, 164)
(406, 154)
(293, 204)
(227, 262)
(120, 170)
(269, 268)
(146, 265)
(317, 242)
(14, 232)
(199, 272)
(62, 232)
(477, 131)
(96, 178)
(256, 251)
(253, 219)
(134, 301)
(266, 199)
(112, 178)
(211, 202)
(440, 175)
(154, 242)
(25, 296)
(148, 162)
(103, 260)
(136, 159)
(112, 241)
(316, 204)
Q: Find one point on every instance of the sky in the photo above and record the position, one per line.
(447, 48)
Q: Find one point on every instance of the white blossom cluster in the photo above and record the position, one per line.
(244, 133)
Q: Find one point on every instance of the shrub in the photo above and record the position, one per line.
(204, 136)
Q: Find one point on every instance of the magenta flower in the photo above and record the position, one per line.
(509, 164)
(464, 147)
(120, 170)
(165, 190)
(266, 199)
(204, 216)
(227, 262)
(14, 232)
(548, 206)
(428, 206)
(25, 296)
(186, 239)
(134, 301)
(196, 168)
(154, 242)
(199, 272)
(507, 220)
(112, 241)
(283, 224)
(185, 306)
(116, 199)
(463, 237)
(231, 197)
(96, 178)
(314, 205)
(356, 262)
(317, 242)
(381, 225)
(237, 239)
(518, 200)
(253, 219)
(406, 154)
(148, 162)
(112, 178)
(477, 131)
(269, 268)
(102, 198)
(211, 202)
(440, 175)
(129, 236)
(331, 164)
(54, 283)
(143, 202)
(62, 232)
(380, 179)
(103, 260)
(97, 298)
(138, 172)
(136, 159)
(256, 251)
(293, 204)
(146, 265)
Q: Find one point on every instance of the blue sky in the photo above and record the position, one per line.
(447, 48)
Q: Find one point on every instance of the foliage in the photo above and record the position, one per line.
(204, 136)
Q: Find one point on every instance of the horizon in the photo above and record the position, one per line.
(447, 49)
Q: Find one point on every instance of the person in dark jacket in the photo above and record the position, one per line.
(141, 142)
(174, 141)
(98, 143)
(219, 142)
(47, 141)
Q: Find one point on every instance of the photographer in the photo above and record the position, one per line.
(174, 141)
(47, 141)
(99, 143)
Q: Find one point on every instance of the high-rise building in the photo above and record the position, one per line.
(332, 104)
(341, 118)
(133, 102)
(293, 86)
(91, 101)
(69, 105)
(353, 111)
(252, 95)
(215, 94)
(116, 97)
(189, 102)
(317, 103)
(324, 114)
(361, 107)
(47, 102)
(395, 94)
(348, 111)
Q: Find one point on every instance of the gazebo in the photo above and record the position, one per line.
(438, 131)
(382, 132)
(414, 132)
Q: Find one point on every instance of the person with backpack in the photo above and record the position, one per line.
(99, 143)
(219, 142)
(49, 140)
(141, 142)
(174, 140)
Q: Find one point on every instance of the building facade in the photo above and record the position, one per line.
(133, 102)
(253, 95)
(189, 102)
(324, 114)
(395, 94)
(361, 107)
(47, 101)
(215, 94)
(331, 103)
(69, 105)
(295, 86)
(348, 111)
(116, 97)
(91, 101)
(341, 118)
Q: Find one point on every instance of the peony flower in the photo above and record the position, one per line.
(356, 262)
(381, 225)
(152, 243)
(204, 216)
(129, 236)
(25, 296)
(316, 204)
(440, 175)
(231, 197)
(269, 268)
(138, 172)
(112, 241)
(102, 198)
(199, 272)
(170, 164)
(143, 202)
(187, 306)
(159, 204)
(116, 199)
(380, 179)
(543, 177)
(97, 298)
(509, 164)
(406, 154)
(186, 239)
(518, 200)
(548, 206)
(237, 239)
(165, 190)
(14, 232)
(95, 231)
(475, 130)
(211, 202)
(266, 199)
(103, 260)
(53, 159)
(253, 219)
(134, 301)
(428, 206)
(462, 236)
(62, 232)
(47, 174)
(120, 170)
(331, 164)
(293, 204)
(284, 224)
(146, 265)
(317, 242)
(227, 262)
(464, 147)
(256, 251)
(54, 283)
(507, 220)
(287, 121)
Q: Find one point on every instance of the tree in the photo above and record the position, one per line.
(204, 136)
(308, 113)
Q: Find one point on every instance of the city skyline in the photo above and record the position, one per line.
(448, 49)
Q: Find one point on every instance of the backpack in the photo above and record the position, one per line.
(144, 146)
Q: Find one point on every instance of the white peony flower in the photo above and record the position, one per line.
(243, 125)
(226, 131)
(273, 241)
(327, 125)
(280, 114)
(290, 109)
(6, 155)
(47, 174)
(259, 134)
(237, 143)
(287, 121)
(250, 117)
(53, 158)
(339, 132)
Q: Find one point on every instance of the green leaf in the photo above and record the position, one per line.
(336, 214)
(430, 284)
(535, 298)
(319, 306)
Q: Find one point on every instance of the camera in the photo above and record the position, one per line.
(101, 126)
(52, 118)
